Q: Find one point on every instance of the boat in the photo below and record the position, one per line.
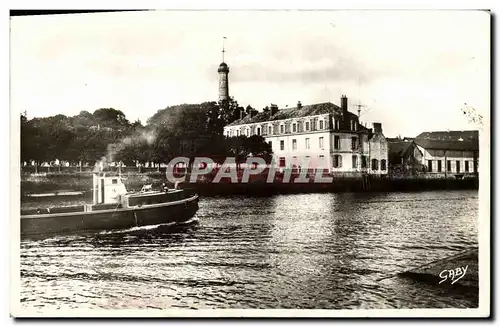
(113, 207)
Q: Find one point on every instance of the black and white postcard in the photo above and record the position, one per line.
(278, 163)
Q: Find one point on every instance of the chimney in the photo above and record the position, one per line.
(377, 128)
(274, 109)
(343, 105)
(299, 105)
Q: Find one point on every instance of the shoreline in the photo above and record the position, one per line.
(257, 185)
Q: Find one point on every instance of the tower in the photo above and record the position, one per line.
(223, 78)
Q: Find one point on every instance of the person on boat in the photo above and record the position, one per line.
(147, 188)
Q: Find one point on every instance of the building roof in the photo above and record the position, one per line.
(398, 147)
(223, 67)
(295, 112)
(449, 140)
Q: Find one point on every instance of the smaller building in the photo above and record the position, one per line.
(450, 153)
(404, 157)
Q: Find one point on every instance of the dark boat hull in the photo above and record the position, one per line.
(172, 212)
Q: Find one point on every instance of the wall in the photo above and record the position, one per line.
(301, 152)
(447, 155)
(379, 150)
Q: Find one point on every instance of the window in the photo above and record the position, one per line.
(354, 143)
(352, 125)
(321, 143)
(321, 124)
(322, 160)
(114, 181)
(238, 133)
(429, 165)
(374, 164)
(383, 164)
(270, 130)
(336, 142)
(313, 125)
(247, 132)
(466, 166)
(337, 124)
(282, 145)
(282, 162)
(307, 125)
(354, 161)
(282, 129)
(294, 144)
(294, 127)
(363, 161)
(308, 145)
(439, 166)
(458, 166)
(337, 161)
(258, 130)
(448, 165)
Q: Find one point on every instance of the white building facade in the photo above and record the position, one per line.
(320, 136)
(449, 153)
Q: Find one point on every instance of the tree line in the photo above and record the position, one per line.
(188, 130)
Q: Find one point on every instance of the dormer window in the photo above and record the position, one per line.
(294, 127)
(307, 126)
(321, 124)
(270, 128)
(282, 129)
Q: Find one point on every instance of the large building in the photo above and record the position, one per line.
(325, 135)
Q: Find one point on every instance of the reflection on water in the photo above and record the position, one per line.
(287, 251)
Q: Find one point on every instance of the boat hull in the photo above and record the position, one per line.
(171, 212)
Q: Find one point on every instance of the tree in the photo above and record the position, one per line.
(53, 136)
(258, 147)
(237, 147)
(111, 118)
(230, 111)
(188, 130)
(242, 147)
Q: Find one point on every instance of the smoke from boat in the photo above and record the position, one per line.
(135, 140)
(101, 165)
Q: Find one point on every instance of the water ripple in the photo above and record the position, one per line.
(331, 251)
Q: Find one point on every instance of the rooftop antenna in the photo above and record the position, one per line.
(359, 105)
(223, 50)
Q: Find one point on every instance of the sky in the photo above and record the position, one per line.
(412, 71)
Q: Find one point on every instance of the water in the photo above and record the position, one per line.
(287, 251)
